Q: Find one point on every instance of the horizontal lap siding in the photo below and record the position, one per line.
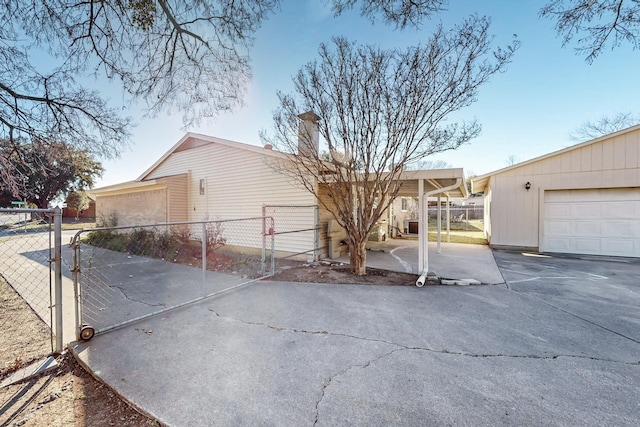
(135, 208)
(237, 183)
(178, 197)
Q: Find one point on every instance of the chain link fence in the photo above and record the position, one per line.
(27, 293)
(125, 274)
(462, 218)
(297, 235)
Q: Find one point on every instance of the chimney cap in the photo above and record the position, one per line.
(268, 147)
(309, 116)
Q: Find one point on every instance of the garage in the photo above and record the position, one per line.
(592, 221)
(581, 199)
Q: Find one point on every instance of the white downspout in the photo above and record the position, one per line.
(423, 252)
(439, 223)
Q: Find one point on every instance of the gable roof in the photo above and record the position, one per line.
(479, 183)
(193, 140)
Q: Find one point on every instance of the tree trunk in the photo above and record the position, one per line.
(358, 257)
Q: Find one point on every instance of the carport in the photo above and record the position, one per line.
(431, 183)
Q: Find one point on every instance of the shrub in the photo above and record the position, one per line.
(215, 239)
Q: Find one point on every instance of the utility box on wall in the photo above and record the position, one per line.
(379, 232)
(335, 237)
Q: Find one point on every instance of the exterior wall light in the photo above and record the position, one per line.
(527, 186)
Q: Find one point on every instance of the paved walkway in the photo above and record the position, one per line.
(455, 260)
(275, 353)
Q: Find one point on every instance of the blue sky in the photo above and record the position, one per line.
(531, 109)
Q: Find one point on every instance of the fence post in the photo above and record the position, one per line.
(316, 243)
(263, 260)
(273, 246)
(204, 256)
(57, 254)
(75, 246)
(466, 219)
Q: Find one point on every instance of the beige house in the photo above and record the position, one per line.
(208, 178)
(204, 178)
(584, 199)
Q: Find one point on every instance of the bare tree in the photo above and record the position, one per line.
(511, 160)
(401, 13)
(605, 126)
(190, 55)
(429, 164)
(596, 23)
(378, 110)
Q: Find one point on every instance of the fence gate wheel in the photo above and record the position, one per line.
(87, 332)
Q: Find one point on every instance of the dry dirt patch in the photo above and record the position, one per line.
(66, 395)
(339, 273)
(24, 336)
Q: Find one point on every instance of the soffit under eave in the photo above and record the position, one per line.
(125, 188)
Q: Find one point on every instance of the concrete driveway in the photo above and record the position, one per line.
(455, 260)
(551, 347)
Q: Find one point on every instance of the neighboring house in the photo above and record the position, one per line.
(474, 200)
(204, 177)
(404, 213)
(584, 199)
(90, 212)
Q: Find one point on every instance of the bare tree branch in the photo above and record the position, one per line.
(605, 126)
(380, 110)
(187, 55)
(595, 23)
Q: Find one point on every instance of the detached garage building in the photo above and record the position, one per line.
(584, 199)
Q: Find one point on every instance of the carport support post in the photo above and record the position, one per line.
(57, 255)
(439, 221)
(423, 230)
(448, 221)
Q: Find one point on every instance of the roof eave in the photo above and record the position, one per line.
(552, 154)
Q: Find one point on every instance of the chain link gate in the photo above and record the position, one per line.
(129, 273)
(30, 292)
(298, 231)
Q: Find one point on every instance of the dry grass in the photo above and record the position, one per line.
(469, 237)
(24, 336)
(66, 395)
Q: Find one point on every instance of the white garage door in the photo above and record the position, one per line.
(594, 221)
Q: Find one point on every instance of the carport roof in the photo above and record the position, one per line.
(434, 179)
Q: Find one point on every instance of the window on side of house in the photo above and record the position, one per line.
(202, 186)
(405, 204)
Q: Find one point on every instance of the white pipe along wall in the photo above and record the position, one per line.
(423, 237)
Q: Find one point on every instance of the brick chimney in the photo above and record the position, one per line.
(308, 134)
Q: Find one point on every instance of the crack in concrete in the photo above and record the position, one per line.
(427, 349)
(327, 383)
(400, 347)
(133, 299)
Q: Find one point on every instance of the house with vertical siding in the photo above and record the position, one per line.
(584, 199)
